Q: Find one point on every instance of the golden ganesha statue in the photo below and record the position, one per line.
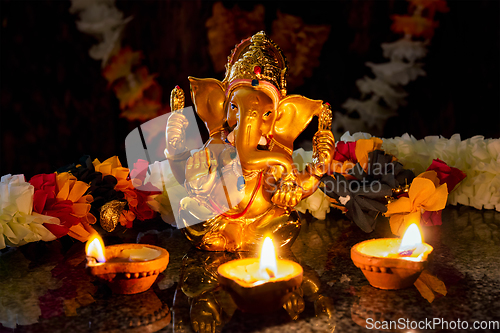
(242, 184)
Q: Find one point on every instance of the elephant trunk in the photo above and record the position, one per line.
(246, 141)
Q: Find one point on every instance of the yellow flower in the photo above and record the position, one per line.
(112, 166)
(346, 159)
(364, 147)
(342, 167)
(425, 194)
(69, 188)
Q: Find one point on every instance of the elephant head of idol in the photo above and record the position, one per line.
(251, 105)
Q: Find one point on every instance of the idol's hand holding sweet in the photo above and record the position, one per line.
(288, 193)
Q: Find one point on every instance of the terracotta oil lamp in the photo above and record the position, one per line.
(392, 263)
(260, 285)
(126, 268)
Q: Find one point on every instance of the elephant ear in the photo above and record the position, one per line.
(208, 97)
(294, 113)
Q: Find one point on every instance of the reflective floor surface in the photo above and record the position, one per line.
(44, 286)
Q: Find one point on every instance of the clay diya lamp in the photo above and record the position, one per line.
(126, 268)
(392, 263)
(260, 285)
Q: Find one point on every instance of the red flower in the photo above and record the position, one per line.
(71, 207)
(141, 209)
(46, 182)
(44, 202)
(446, 174)
(345, 151)
(45, 187)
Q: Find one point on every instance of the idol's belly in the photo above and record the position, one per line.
(252, 200)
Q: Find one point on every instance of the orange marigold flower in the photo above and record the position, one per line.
(68, 188)
(112, 166)
(364, 147)
(417, 26)
(121, 64)
(131, 90)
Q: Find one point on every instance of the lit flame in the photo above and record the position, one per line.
(267, 265)
(411, 239)
(95, 248)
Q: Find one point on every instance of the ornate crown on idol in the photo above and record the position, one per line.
(257, 58)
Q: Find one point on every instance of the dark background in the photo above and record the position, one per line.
(55, 104)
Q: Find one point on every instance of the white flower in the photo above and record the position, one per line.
(98, 19)
(479, 158)
(393, 96)
(405, 49)
(18, 225)
(494, 148)
(411, 153)
(347, 137)
(372, 113)
(397, 72)
(301, 157)
(343, 121)
(160, 176)
(103, 20)
(103, 50)
(318, 204)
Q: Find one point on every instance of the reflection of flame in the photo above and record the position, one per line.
(267, 265)
(95, 248)
(411, 238)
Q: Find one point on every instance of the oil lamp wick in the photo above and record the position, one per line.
(91, 260)
(270, 273)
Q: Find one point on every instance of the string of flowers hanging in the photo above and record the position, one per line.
(134, 86)
(383, 95)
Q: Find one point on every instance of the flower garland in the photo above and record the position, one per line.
(63, 196)
(403, 67)
(437, 160)
(140, 94)
(134, 86)
(19, 224)
(368, 176)
(67, 202)
(478, 157)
